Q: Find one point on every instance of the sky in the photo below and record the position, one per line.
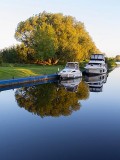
(100, 17)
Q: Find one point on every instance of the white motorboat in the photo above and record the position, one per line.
(96, 82)
(96, 65)
(71, 70)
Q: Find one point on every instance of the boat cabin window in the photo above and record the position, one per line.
(72, 65)
(99, 57)
(95, 64)
(96, 59)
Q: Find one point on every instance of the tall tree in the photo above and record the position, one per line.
(56, 35)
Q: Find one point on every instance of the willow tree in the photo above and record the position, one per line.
(56, 36)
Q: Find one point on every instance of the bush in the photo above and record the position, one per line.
(111, 63)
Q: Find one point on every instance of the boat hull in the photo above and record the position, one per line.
(95, 71)
(70, 76)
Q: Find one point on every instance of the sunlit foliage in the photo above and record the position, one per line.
(55, 37)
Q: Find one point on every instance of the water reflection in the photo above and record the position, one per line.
(71, 85)
(3, 88)
(52, 99)
(96, 82)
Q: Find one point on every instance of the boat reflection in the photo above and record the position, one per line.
(96, 82)
(71, 84)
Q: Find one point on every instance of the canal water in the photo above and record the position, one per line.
(77, 119)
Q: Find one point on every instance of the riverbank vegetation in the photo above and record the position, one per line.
(117, 58)
(111, 63)
(47, 42)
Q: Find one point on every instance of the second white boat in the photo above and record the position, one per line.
(96, 65)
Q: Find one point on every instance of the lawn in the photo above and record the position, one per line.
(12, 71)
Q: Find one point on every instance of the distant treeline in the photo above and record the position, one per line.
(117, 58)
(111, 62)
(50, 38)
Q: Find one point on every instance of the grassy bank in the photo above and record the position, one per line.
(9, 71)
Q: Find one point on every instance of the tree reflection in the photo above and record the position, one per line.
(51, 99)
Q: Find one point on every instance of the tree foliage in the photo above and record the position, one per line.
(110, 62)
(45, 44)
(117, 58)
(9, 55)
(18, 54)
(55, 36)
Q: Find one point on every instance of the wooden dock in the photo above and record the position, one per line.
(27, 80)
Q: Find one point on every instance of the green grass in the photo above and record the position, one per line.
(8, 71)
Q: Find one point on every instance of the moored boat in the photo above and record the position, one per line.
(96, 65)
(71, 70)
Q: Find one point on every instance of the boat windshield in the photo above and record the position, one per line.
(72, 65)
(94, 64)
